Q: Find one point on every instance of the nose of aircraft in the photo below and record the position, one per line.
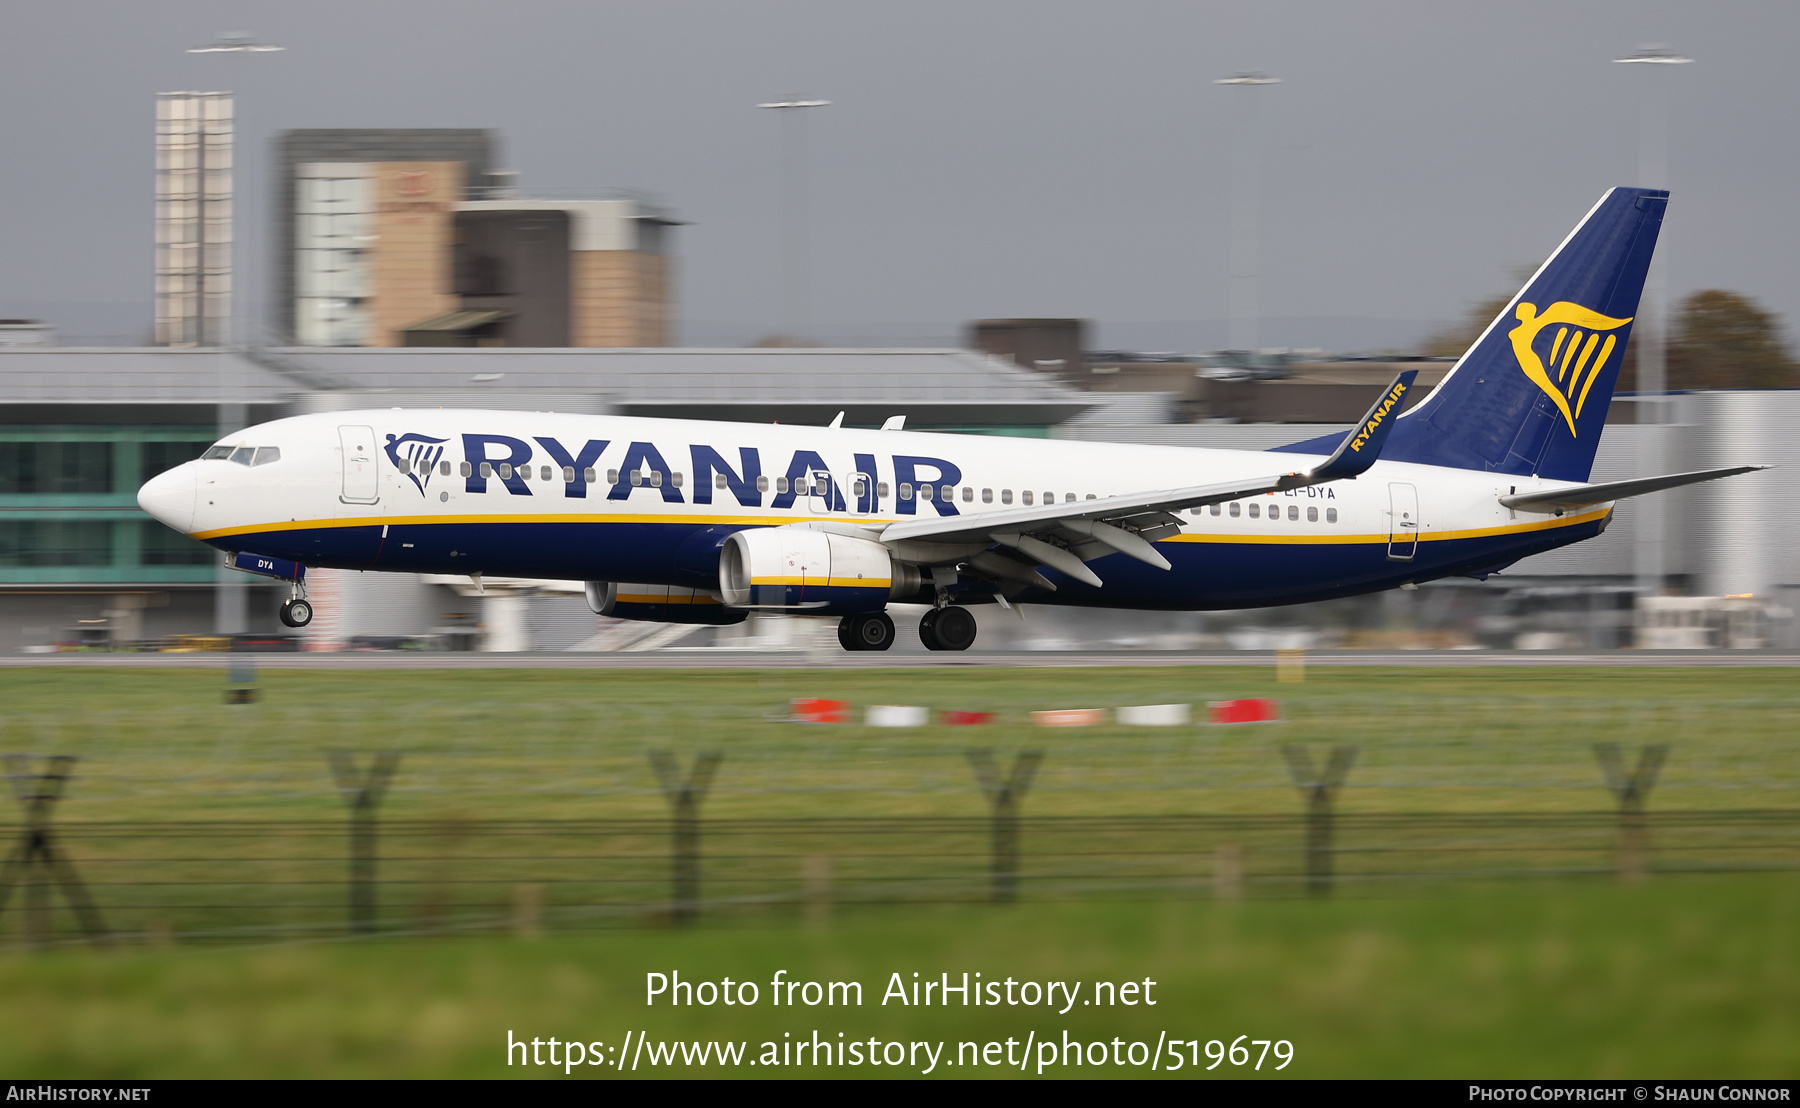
(169, 497)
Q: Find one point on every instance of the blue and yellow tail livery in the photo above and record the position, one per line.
(1530, 397)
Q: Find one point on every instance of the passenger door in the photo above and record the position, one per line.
(361, 475)
(825, 494)
(1403, 521)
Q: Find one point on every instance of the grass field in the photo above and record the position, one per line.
(1688, 974)
(1682, 977)
(572, 744)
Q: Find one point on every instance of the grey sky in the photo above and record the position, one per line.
(1037, 157)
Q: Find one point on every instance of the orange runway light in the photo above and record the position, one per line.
(808, 709)
(1258, 709)
(965, 719)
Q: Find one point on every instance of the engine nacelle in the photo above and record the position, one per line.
(813, 571)
(658, 604)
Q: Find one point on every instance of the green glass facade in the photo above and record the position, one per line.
(68, 506)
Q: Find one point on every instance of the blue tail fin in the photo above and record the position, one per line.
(1530, 397)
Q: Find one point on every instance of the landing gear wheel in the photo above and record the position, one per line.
(874, 631)
(927, 632)
(868, 631)
(296, 613)
(949, 628)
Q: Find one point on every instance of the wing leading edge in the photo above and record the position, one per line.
(1065, 536)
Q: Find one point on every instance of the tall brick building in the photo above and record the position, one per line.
(411, 238)
(565, 272)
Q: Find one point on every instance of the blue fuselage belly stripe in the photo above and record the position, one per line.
(1206, 575)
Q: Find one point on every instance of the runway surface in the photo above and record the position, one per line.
(838, 660)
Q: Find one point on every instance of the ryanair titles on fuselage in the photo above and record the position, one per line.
(500, 458)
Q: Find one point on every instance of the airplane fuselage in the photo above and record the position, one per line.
(607, 498)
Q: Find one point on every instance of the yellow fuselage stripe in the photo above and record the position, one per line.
(1271, 537)
(1549, 524)
(588, 517)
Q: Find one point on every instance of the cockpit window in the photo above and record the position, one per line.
(243, 455)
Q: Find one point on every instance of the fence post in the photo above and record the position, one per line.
(1631, 790)
(37, 851)
(1319, 789)
(1004, 797)
(684, 796)
(362, 790)
(240, 686)
(1290, 665)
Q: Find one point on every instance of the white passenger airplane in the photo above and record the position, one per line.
(696, 522)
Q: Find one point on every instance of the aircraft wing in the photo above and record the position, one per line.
(1066, 536)
(1580, 496)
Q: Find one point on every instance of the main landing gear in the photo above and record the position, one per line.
(868, 631)
(297, 612)
(948, 628)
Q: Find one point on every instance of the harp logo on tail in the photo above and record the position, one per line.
(1575, 351)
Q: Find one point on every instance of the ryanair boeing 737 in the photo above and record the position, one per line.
(694, 522)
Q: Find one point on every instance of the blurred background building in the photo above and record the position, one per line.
(82, 428)
(363, 229)
(194, 239)
(556, 273)
(411, 238)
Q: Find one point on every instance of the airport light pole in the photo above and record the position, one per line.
(793, 262)
(231, 608)
(1246, 182)
(1651, 332)
(240, 44)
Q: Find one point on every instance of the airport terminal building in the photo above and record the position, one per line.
(84, 428)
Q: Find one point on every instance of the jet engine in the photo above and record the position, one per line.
(802, 569)
(659, 604)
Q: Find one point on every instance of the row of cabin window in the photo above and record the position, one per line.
(654, 479)
(506, 472)
(1235, 509)
(1006, 496)
(800, 486)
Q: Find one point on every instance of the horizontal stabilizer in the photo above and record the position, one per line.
(1580, 496)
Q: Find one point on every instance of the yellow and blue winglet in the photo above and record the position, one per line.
(1362, 446)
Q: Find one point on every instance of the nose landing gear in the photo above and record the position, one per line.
(297, 612)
